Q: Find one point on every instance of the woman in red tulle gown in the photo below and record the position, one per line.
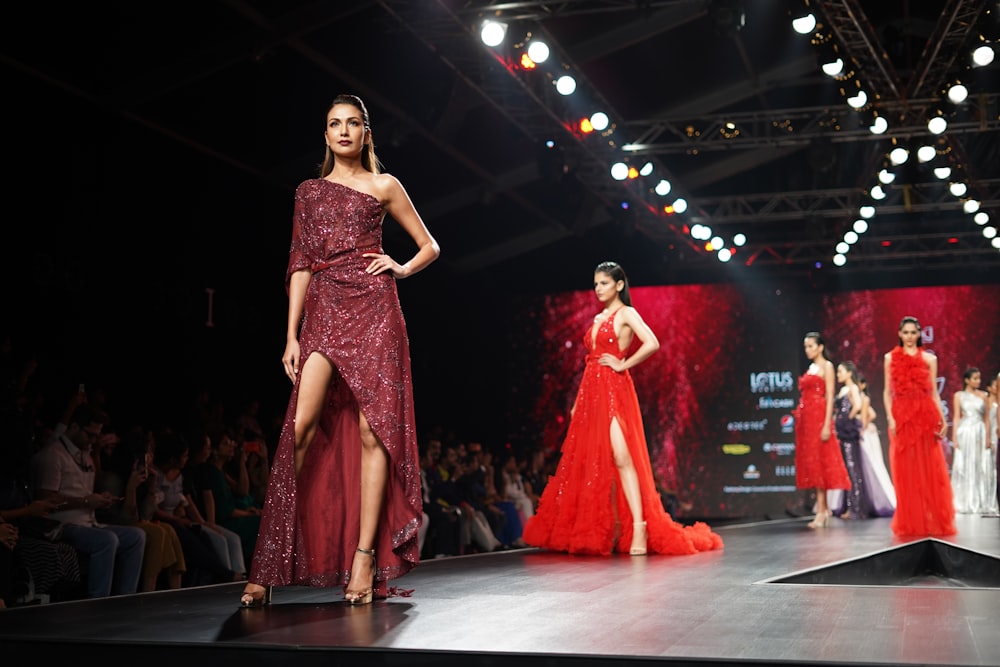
(343, 503)
(819, 463)
(602, 497)
(924, 503)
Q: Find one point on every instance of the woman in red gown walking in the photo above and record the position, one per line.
(602, 497)
(924, 502)
(345, 482)
(819, 463)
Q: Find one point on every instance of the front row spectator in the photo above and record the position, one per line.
(63, 472)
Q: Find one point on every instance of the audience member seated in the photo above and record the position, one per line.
(63, 472)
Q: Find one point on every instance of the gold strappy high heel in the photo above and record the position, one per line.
(365, 596)
(256, 598)
(638, 551)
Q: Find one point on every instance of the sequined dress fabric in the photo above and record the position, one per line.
(309, 527)
(582, 509)
(973, 470)
(924, 505)
(819, 464)
(857, 504)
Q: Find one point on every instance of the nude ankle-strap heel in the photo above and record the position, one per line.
(638, 526)
(365, 596)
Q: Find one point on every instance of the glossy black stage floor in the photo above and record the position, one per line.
(779, 593)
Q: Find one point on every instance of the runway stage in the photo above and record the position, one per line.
(779, 593)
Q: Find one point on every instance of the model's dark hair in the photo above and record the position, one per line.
(368, 158)
(818, 337)
(862, 380)
(910, 319)
(967, 375)
(851, 368)
(617, 273)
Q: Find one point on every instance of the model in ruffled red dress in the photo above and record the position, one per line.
(819, 463)
(343, 503)
(924, 502)
(602, 498)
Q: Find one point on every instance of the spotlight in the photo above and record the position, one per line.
(493, 33)
(958, 189)
(879, 125)
(886, 177)
(538, 51)
(860, 226)
(937, 124)
(839, 259)
(899, 155)
(983, 56)
(566, 85)
(725, 254)
(680, 205)
(858, 100)
(877, 193)
(740, 240)
(662, 188)
(619, 171)
(970, 205)
(958, 93)
(804, 24)
(842, 248)
(926, 153)
(942, 172)
(981, 218)
(600, 121)
(851, 236)
(866, 211)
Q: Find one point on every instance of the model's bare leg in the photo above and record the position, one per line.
(822, 510)
(314, 380)
(374, 478)
(630, 487)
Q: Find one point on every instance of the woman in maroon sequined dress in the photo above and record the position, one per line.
(602, 497)
(343, 503)
(924, 502)
(819, 463)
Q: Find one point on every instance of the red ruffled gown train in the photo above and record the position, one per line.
(583, 508)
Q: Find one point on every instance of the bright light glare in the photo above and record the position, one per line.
(899, 155)
(680, 205)
(662, 188)
(740, 240)
(981, 218)
(646, 169)
(958, 93)
(493, 33)
(839, 260)
(842, 248)
(725, 255)
(970, 205)
(877, 193)
(937, 125)
(858, 100)
(926, 153)
(538, 51)
(860, 226)
(989, 232)
(600, 121)
(851, 236)
(886, 177)
(866, 211)
(958, 189)
(566, 84)
(834, 67)
(619, 171)
(717, 242)
(942, 172)
(804, 24)
(983, 56)
(879, 125)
